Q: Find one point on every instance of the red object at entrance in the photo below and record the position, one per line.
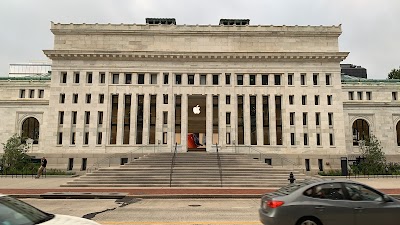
(190, 141)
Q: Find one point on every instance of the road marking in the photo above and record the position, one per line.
(183, 223)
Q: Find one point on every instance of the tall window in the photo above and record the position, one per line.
(394, 96)
(303, 79)
(239, 79)
(253, 120)
(75, 98)
(62, 98)
(330, 119)
(304, 99)
(76, 77)
(264, 79)
(228, 118)
(398, 133)
(30, 129)
(329, 99)
(88, 98)
(190, 79)
(266, 120)
(292, 118)
(165, 98)
(128, 78)
(89, 77)
(41, 93)
(291, 99)
(228, 100)
(305, 118)
(317, 119)
(227, 78)
(74, 117)
(240, 120)
(153, 118)
(278, 116)
(139, 119)
(305, 139)
(101, 98)
(115, 78)
(351, 95)
(178, 79)
(141, 78)
(360, 131)
(63, 79)
(100, 117)
(252, 80)
(316, 99)
(153, 78)
(22, 93)
(166, 77)
(318, 139)
(292, 139)
(277, 79)
(127, 119)
(61, 117)
(328, 79)
(203, 79)
(315, 78)
(215, 79)
(114, 119)
(290, 79)
(102, 78)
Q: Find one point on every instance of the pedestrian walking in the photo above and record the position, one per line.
(43, 164)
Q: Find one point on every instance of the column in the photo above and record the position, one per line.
(146, 118)
(222, 120)
(246, 116)
(234, 118)
(259, 116)
(209, 124)
(132, 133)
(272, 119)
(159, 121)
(184, 121)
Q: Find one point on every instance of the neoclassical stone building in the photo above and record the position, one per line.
(272, 91)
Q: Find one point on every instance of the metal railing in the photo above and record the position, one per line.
(172, 165)
(219, 164)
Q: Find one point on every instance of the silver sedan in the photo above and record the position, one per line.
(328, 202)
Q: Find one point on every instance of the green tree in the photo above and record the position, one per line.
(374, 158)
(14, 156)
(394, 74)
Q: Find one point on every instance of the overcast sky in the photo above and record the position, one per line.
(371, 28)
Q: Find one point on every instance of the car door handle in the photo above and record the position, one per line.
(359, 208)
(320, 208)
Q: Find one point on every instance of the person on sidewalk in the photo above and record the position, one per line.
(43, 164)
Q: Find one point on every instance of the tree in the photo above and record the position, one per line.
(374, 160)
(14, 156)
(394, 74)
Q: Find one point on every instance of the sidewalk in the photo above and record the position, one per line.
(30, 187)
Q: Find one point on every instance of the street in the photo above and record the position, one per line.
(156, 211)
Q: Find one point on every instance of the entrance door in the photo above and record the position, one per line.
(196, 138)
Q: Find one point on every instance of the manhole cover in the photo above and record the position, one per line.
(194, 205)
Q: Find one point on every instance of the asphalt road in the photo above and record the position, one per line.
(156, 211)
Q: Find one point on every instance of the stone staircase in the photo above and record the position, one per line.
(194, 169)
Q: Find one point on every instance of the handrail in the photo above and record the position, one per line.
(96, 164)
(172, 165)
(219, 164)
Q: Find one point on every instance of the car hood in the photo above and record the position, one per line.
(65, 220)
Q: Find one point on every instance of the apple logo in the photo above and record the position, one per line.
(196, 109)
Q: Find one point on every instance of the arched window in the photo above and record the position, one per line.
(398, 133)
(360, 131)
(30, 129)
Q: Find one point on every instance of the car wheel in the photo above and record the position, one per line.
(309, 221)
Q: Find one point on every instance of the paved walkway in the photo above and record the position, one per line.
(30, 186)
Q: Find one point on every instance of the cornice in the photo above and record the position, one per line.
(370, 104)
(23, 102)
(194, 56)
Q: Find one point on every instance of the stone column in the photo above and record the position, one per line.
(246, 117)
(146, 118)
(259, 123)
(184, 122)
(234, 118)
(222, 121)
(209, 124)
(132, 132)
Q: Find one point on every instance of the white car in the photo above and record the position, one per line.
(16, 212)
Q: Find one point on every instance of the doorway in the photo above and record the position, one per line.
(196, 138)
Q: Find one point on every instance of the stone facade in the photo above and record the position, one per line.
(286, 62)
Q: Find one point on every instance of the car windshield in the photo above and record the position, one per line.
(290, 188)
(16, 212)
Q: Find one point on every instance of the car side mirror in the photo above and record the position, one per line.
(386, 198)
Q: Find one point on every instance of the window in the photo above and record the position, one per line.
(102, 78)
(75, 98)
(304, 99)
(87, 117)
(74, 116)
(351, 95)
(315, 78)
(277, 79)
(99, 138)
(86, 138)
(328, 79)
(76, 77)
(394, 96)
(153, 79)
(317, 119)
(329, 99)
(305, 139)
(22, 93)
(228, 138)
(316, 99)
(264, 79)
(128, 78)
(318, 139)
(228, 100)
(369, 95)
(165, 117)
(178, 79)
(88, 98)
(305, 119)
(61, 117)
(166, 77)
(252, 79)
(330, 119)
(115, 77)
(360, 131)
(331, 140)
(165, 99)
(203, 79)
(320, 164)
(215, 79)
(63, 77)
(292, 139)
(89, 77)
(101, 98)
(359, 192)
(165, 138)
(60, 137)
(141, 78)
(41, 93)
(190, 79)
(303, 79)
(239, 79)
(359, 95)
(100, 117)
(290, 79)
(62, 98)
(291, 99)
(228, 118)
(332, 191)
(292, 118)
(227, 78)
(31, 93)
